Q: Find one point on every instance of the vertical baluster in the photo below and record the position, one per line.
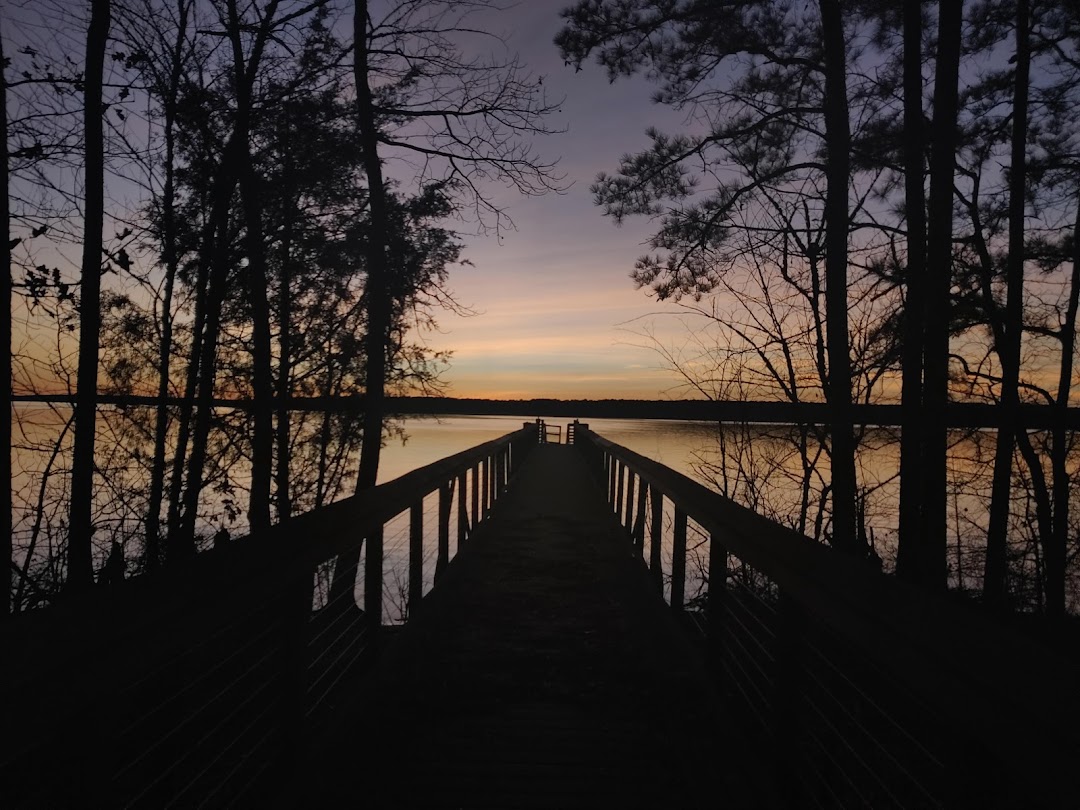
(791, 623)
(619, 475)
(500, 466)
(486, 486)
(628, 521)
(718, 576)
(475, 498)
(639, 521)
(462, 512)
(656, 537)
(297, 636)
(446, 492)
(373, 581)
(610, 477)
(416, 556)
(678, 560)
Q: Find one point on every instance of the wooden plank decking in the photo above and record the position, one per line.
(543, 671)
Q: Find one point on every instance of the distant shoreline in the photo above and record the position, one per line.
(977, 415)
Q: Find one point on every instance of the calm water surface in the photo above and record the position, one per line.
(430, 438)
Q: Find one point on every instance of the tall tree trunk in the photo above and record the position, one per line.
(262, 440)
(170, 259)
(996, 567)
(284, 315)
(837, 215)
(932, 568)
(1054, 552)
(80, 524)
(175, 545)
(5, 336)
(236, 156)
(217, 280)
(911, 528)
(194, 425)
(282, 494)
(376, 291)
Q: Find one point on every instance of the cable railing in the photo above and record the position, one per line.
(202, 686)
(868, 692)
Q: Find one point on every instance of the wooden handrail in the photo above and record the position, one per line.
(1015, 697)
(307, 540)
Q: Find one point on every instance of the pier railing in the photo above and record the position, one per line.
(871, 693)
(200, 687)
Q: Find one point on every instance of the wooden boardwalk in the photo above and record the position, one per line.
(543, 671)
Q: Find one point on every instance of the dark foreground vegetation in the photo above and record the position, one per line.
(869, 206)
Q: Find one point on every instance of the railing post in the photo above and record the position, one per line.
(446, 493)
(416, 556)
(656, 538)
(619, 489)
(294, 672)
(499, 463)
(373, 581)
(678, 560)
(717, 598)
(786, 701)
(486, 485)
(610, 459)
(639, 522)
(476, 517)
(462, 512)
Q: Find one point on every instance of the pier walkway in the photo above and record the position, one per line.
(545, 671)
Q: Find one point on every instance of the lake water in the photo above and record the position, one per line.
(430, 438)
(772, 469)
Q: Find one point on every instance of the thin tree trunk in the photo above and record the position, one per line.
(376, 292)
(996, 567)
(1055, 551)
(39, 514)
(284, 316)
(911, 440)
(184, 544)
(5, 335)
(837, 215)
(262, 440)
(80, 526)
(174, 547)
(932, 568)
(235, 154)
(284, 500)
(170, 259)
(324, 434)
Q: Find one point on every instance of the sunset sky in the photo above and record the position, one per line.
(554, 298)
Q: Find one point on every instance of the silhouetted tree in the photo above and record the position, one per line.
(772, 85)
(80, 527)
(1013, 326)
(5, 336)
(911, 524)
(409, 69)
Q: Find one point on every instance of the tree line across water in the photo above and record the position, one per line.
(869, 204)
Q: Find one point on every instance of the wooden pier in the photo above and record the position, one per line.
(545, 671)
(603, 632)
